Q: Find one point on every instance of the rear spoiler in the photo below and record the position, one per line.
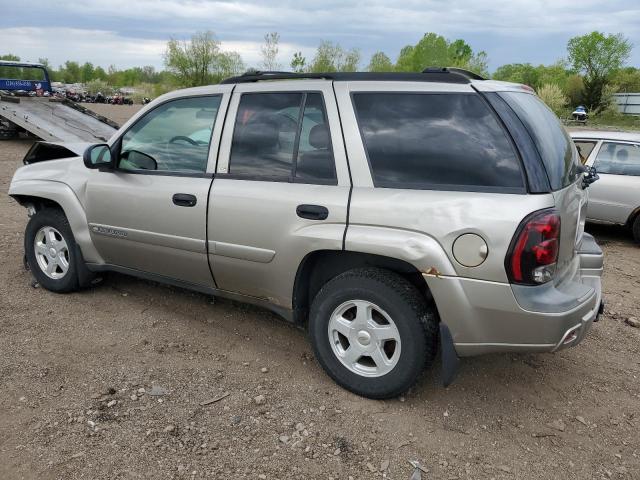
(42, 151)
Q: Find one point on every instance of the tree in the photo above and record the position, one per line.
(380, 62)
(86, 72)
(200, 61)
(524, 73)
(70, 72)
(597, 56)
(10, 72)
(269, 52)
(433, 50)
(298, 62)
(330, 57)
(626, 80)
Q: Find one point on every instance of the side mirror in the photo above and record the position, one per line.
(98, 156)
(590, 176)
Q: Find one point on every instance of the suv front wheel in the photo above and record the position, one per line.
(373, 332)
(51, 251)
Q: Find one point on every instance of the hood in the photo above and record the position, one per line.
(42, 151)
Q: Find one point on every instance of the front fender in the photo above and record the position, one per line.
(64, 196)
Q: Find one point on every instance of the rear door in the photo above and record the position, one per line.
(281, 188)
(617, 193)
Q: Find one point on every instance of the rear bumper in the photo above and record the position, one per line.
(486, 317)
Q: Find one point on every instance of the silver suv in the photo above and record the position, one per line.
(389, 214)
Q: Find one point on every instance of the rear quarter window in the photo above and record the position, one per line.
(436, 141)
(554, 145)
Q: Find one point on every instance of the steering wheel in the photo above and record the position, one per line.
(186, 139)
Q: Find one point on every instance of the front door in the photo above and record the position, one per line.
(281, 189)
(149, 213)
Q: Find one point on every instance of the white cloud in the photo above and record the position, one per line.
(106, 47)
(134, 32)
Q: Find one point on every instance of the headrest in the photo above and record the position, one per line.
(319, 137)
(622, 154)
(262, 135)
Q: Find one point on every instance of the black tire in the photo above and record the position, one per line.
(636, 229)
(50, 217)
(415, 320)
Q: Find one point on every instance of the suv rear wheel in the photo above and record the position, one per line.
(51, 251)
(373, 332)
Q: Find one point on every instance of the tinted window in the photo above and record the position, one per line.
(271, 140)
(436, 141)
(584, 147)
(173, 137)
(551, 139)
(618, 159)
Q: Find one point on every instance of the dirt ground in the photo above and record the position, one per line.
(109, 383)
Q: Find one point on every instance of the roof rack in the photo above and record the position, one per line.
(430, 74)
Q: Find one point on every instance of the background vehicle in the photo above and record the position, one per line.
(386, 213)
(615, 198)
(580, 114)
(26, 105)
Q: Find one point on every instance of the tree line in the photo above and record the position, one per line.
(594, 68)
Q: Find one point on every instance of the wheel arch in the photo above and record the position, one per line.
(632, 217)
(42, 194)
(320, 266)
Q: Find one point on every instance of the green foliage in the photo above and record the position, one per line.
(626, 79)
(597, 56)
(434, 50)
(298, 62)
(380, 62)
(535, 77)
(552, 95)
(331, 57)
(200, 60)
(574, 89)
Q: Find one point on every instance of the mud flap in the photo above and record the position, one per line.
(450, 358)
(86, 277)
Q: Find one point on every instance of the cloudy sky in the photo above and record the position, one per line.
(134, 32)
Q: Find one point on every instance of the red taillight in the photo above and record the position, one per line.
(534, 250)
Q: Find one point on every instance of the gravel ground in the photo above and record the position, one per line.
(112, 383)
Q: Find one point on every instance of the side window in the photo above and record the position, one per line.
(282, 137)
(437, 141)
(618, 159)
(173, 137)
(585, 147)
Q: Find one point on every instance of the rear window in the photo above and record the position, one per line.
(436, 141)
(551, 139)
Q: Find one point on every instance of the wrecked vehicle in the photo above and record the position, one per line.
(389, 214)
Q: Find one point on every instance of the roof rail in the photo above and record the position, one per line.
(460, 71)
(431, 74)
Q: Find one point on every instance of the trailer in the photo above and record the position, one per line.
(27, 105)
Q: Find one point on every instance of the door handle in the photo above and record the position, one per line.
(312, 212)
(184, 200)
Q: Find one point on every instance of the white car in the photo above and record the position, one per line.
(615, 197)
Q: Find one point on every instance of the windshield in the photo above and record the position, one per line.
(552, 141)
